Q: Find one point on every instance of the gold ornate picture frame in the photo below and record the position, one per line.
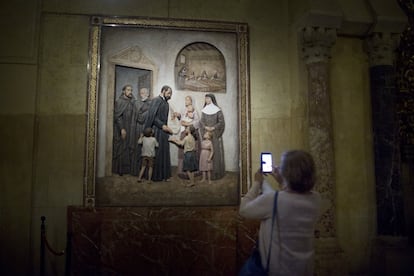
(122, 48)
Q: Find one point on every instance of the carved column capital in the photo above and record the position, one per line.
(317, 43)
(380, 48)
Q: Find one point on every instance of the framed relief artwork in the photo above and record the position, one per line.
(168, 113)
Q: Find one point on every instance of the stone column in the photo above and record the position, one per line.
(389, 106)
(316, 46)
(405, 110)
(380, 48)
(317, 43)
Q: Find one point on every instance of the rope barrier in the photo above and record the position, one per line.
(45, 244)
(61, 253)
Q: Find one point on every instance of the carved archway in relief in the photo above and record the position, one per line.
(200, 67)
(133, 59)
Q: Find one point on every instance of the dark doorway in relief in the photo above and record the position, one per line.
(136, 77)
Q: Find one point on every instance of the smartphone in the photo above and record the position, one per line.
(266, 162)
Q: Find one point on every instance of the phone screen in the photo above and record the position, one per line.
(267, 162)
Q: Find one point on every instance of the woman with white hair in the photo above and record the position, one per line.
(286, 243)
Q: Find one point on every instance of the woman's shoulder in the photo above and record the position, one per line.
(311, 195)
(294, 201)
(315, 195)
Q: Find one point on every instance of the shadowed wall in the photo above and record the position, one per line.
(43, 104)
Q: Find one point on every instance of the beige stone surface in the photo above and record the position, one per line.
(355, 182)
(18, 89)
(63, 65)
(15, 191)
(19, 22)
(18, 80)
(156, 8)
(59, 161)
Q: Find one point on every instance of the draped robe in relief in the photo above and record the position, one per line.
(121, 157)
(157, 117)
(215, 120)
(138, 119)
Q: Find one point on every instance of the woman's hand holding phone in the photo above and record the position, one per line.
(266, 162)
(258, 176)
(277, 175)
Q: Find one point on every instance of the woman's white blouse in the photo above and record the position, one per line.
(292, 250)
